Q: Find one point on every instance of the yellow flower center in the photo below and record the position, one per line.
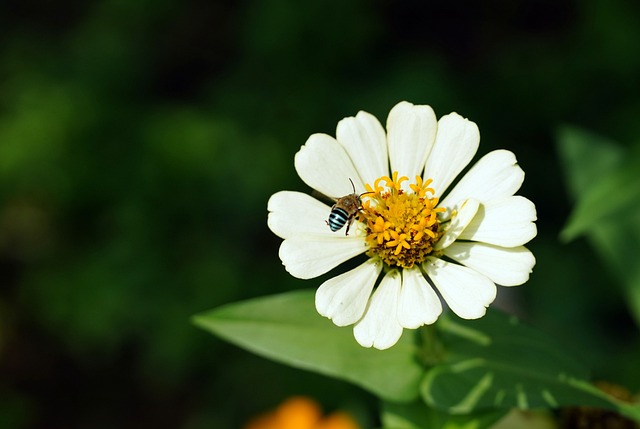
(401, 227)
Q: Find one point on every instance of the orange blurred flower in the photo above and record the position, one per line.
(301, 413)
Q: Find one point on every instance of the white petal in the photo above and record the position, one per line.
(495, 175)
(467, 292)
(308, 256)
(504, 222)
(456, 143)
(365, 141)
(505, 266)
(323, 164)
(459, 222)
(379, 327)
(294, 212)
(344, 298)
(419, 305)
(411, 132)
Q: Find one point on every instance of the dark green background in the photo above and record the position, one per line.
(140, 141)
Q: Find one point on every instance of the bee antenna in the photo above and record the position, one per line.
(352, 185)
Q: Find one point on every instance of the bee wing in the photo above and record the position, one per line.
(322, 197)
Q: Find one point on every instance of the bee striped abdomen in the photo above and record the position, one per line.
(344, 211)
(338, 218)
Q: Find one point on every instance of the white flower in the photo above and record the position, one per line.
(462, 245)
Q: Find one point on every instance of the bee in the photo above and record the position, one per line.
(344, 210)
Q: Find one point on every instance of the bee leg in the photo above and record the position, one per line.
(349, 225)
(351, 219)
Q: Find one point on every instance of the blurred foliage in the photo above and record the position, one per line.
(286, 328)
(473, 370)
(416, 415)
(140, 141)
(603, 178)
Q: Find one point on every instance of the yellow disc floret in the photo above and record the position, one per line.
(401, 227)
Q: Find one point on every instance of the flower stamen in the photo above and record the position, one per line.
(401, 227)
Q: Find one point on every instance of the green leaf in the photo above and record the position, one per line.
(418, 415)
(604, 179)
(586, 157)
(287, 329)
(497, 362)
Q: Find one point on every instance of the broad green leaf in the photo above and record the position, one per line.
(586, 157)
(418, 415)
(605, 182)
(527, 419)
(497, 362)
(618, 244)
(287, 329)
